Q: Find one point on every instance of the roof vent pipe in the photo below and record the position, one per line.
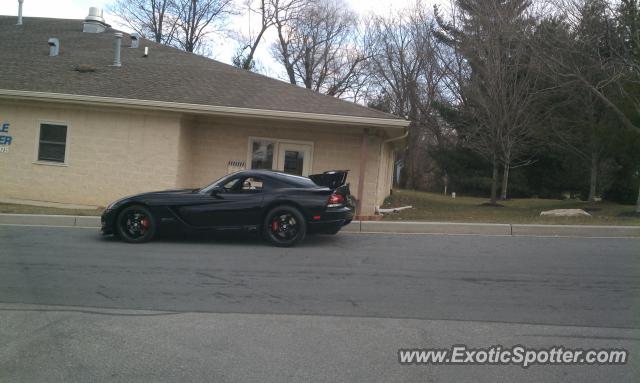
(118, 45)
(135, 40)
(20, 12)
(94, 22)
(54, 46)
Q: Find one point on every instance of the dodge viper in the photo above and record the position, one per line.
(280, 206)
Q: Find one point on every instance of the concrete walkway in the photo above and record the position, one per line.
(383, 227)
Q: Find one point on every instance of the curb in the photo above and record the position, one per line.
(435, 228)
(50, 220)
(504, 229)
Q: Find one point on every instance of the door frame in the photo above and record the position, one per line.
(276, 149)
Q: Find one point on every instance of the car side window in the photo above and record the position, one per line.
(252, 185)
(244, 185)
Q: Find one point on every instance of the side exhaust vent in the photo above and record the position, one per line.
(135, 40)
(54, 46)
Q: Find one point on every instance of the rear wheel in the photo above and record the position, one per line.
(136, 224)
(284, 226)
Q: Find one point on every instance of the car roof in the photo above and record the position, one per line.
(293, 180)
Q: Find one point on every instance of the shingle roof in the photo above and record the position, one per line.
(168, 74)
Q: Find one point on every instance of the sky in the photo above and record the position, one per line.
(222, 47)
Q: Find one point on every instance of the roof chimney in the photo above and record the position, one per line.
(54, 46)
(20, 12)
(117, 44)
(135, 40)
(94, 22)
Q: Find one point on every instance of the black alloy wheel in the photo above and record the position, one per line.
(136, 224)
(284, 226)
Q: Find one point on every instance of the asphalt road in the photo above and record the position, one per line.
(308, 313)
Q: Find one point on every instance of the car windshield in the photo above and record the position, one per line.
(219, 182)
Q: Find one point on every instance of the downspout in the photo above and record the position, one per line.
(363, 167)
(382, 144)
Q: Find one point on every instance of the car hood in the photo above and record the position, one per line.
(332, 179)
(153, 196)
(164, 193)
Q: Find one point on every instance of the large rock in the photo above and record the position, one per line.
(566, 213)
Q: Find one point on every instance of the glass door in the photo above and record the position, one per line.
(294, 158)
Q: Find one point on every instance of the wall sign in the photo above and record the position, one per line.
(5, 138)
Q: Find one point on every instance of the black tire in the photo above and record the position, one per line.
(136, 224)
(284, 226)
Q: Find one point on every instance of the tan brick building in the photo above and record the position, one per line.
(78, 129)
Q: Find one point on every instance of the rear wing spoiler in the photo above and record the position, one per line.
(332, 179)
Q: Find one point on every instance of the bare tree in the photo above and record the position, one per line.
(282, 49)
(249, 43)
(150, 18)
(582, 54)
(628, 25)
(498, 94)
(195, 19)
(406, 72)
(269, 12)
(580, 124)
(318, 46)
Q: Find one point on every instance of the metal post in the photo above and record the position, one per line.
(20, 12)
(118, 45)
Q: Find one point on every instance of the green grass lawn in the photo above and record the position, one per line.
(437, 207)
(28, 209)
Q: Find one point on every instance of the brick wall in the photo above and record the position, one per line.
(217, 141)
(115, 152)
(111, 154)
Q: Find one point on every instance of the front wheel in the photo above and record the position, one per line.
(284, 226)
(136, 224)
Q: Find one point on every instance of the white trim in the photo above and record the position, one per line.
(276, 149)
(67, 144)
(202, 109)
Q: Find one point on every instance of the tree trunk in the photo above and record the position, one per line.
(494, 181)
(638, 202)
(594, 176)
(246, 65)
(410, 166)
(505, 182)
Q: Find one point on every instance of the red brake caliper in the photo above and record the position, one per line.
(145, 223)
(274, 226)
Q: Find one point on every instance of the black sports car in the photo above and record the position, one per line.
(283, 207)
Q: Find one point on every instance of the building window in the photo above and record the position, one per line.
(288, 156)
(293, 162)
(52, 144)
(262, 155)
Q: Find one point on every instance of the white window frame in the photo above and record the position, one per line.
(67, 145)
(276, 149)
